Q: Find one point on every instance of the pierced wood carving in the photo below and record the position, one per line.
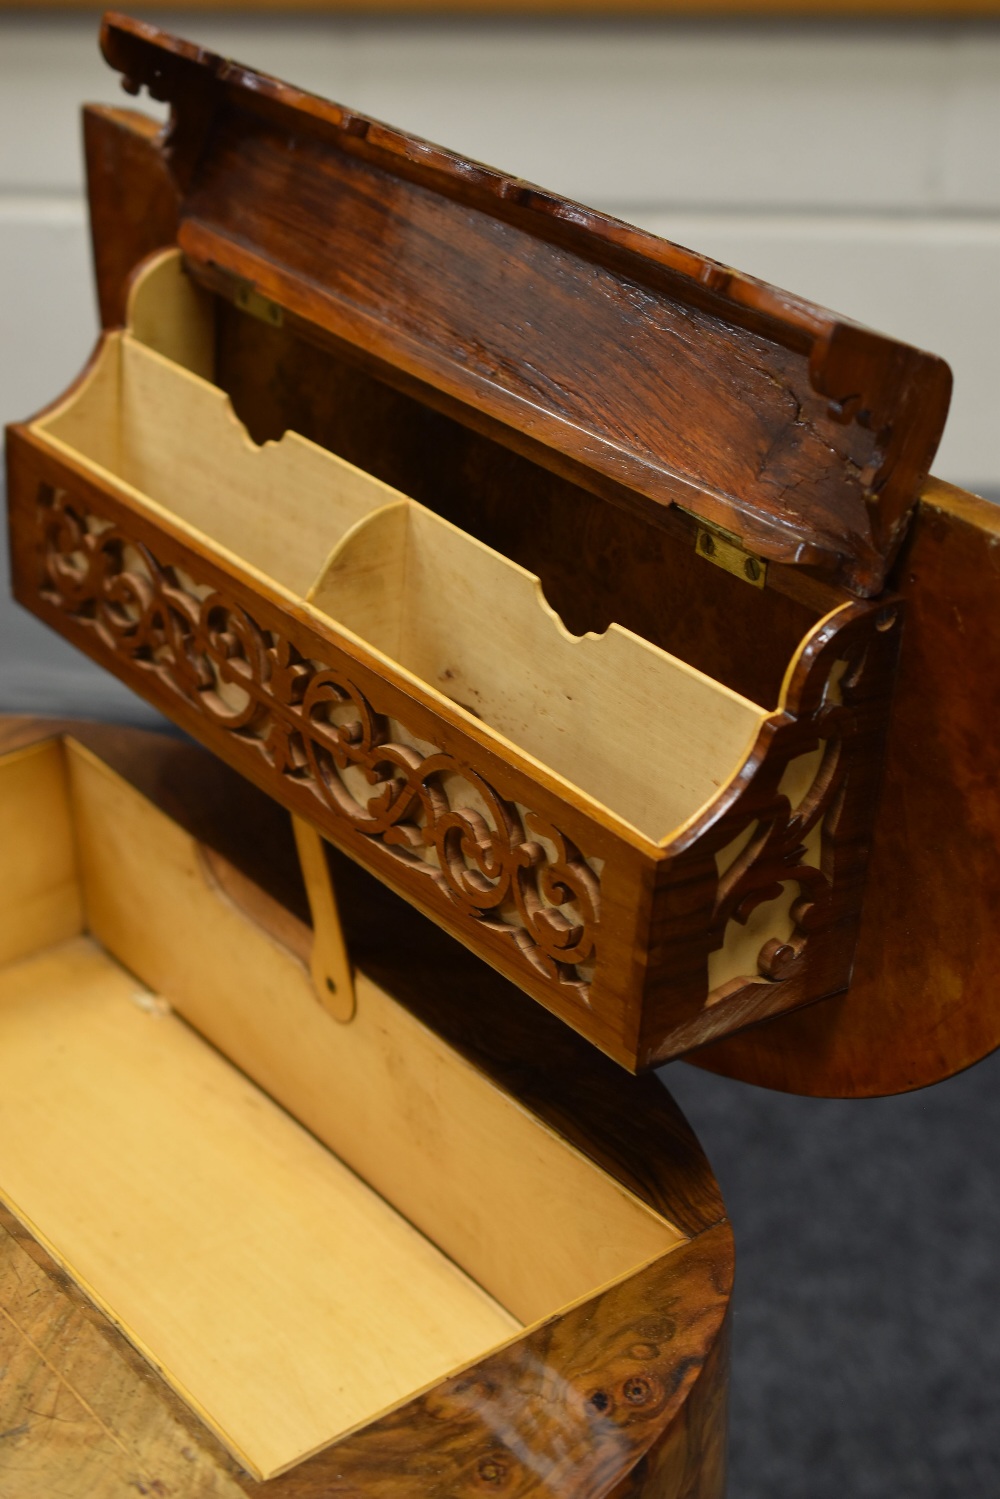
(650, 945)
(787, 842)
(496, 862)
(616, 933)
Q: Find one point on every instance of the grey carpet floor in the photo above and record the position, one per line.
(867, 1309)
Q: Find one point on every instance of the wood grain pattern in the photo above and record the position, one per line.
(283, 1297)
(405, 581)
(128, 185)
(575, 1406)
(624, 1396)
(628, 364)
(889, 1034)
(659, 913)
(629, 1125)
(38, 866)
(428, 596)
(127, 415)
(563, 929)
(741, 922)
(690, 1461)
(535, 1220)
(83, 1414)
(597, 562)
(922, 1003)
(570, 1409)
(278, 379)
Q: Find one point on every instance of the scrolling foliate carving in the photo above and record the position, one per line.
(777, 855)
(497, 863)
(790, 847)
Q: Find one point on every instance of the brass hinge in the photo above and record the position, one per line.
(728, 552)
(247, 297)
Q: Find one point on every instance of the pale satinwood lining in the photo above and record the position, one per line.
(286, 1299)
(282, 1295)
(467, 621)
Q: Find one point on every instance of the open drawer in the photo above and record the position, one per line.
(350, 1249)
(652, 855)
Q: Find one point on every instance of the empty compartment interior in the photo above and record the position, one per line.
(600, 558)
(461, 617)
(301, 1223)
(474, 625)
(172, 437)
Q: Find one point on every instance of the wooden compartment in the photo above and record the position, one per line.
(661, 832)
(436, 604)
(303, 1225)
(410, 690)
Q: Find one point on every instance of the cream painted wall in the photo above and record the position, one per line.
(856, 164)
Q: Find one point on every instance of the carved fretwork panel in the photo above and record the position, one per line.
(782, 898)
(497, 863)
(648, 949)
(783, 868)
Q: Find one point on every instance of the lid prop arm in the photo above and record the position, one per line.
(332, 975)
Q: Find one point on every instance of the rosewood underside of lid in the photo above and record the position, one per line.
(647, 373)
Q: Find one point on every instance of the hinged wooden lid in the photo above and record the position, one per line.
(638, 369)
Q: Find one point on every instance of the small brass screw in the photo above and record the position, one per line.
(707, 544)
(752, 569)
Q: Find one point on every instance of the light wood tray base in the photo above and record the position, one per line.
(292, 1281)
(282, 1297)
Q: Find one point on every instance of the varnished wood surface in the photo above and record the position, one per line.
(629, 929)
(84, 1416)
(644, 371)
(622, 1394)
(647, 922)
(284, 1296)
(128, 185)
(900, 1038)
(925, 998)
(401, 578)
(533, 1420)
(597, 562)
(630, 1126)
